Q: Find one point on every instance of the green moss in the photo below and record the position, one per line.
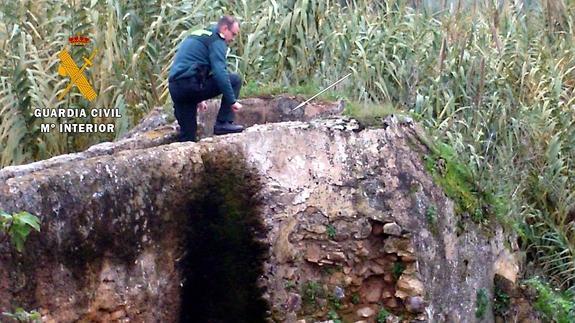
(368, 114)
(458, 183)
(355, 299)
(481, 303)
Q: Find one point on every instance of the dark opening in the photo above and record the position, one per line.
(225, 252)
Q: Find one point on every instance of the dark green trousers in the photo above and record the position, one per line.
(187, 93)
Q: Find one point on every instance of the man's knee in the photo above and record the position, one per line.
(235, 80)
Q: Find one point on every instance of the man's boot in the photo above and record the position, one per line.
(224, 127)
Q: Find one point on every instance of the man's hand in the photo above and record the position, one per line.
(236, 106)
(202, 106)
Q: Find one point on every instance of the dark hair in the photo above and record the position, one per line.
(228, 21)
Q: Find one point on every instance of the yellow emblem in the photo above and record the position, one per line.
(69, 68)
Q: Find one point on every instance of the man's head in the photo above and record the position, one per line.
(228, 27)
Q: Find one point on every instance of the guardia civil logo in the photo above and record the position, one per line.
(75, 73)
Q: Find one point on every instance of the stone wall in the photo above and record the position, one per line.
(346, 212)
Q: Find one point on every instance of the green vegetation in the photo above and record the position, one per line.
(501, 302)
(331, 231)
(289, 285)
(332, 315)
(17, 227)
(555, 306)
(355, 299)
(20, 315)
(481, 303)
(369, 114)
(312, 291)
(458, 183)
(331, 269)
(382, 315)
(334, 302)
(431, 215)
(398, 269)
(255, 89)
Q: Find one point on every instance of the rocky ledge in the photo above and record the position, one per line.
(345, 218)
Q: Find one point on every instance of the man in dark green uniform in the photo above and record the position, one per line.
(199, 73)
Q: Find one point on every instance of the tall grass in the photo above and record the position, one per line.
(494, 78)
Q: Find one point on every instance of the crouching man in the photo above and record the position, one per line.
(199, 73)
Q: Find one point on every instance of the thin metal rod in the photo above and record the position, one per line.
(327, 88)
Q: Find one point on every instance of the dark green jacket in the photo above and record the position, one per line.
(202, 53)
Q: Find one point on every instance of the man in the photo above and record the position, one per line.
(199, 73)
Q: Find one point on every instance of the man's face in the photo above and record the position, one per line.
(230, 33)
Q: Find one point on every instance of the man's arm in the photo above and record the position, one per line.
(218, 65)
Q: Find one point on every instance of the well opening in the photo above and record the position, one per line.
(224, 250)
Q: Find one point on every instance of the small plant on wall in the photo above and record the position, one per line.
(17, 227)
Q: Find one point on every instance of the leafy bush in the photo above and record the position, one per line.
(18, 226)
(331, 231)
